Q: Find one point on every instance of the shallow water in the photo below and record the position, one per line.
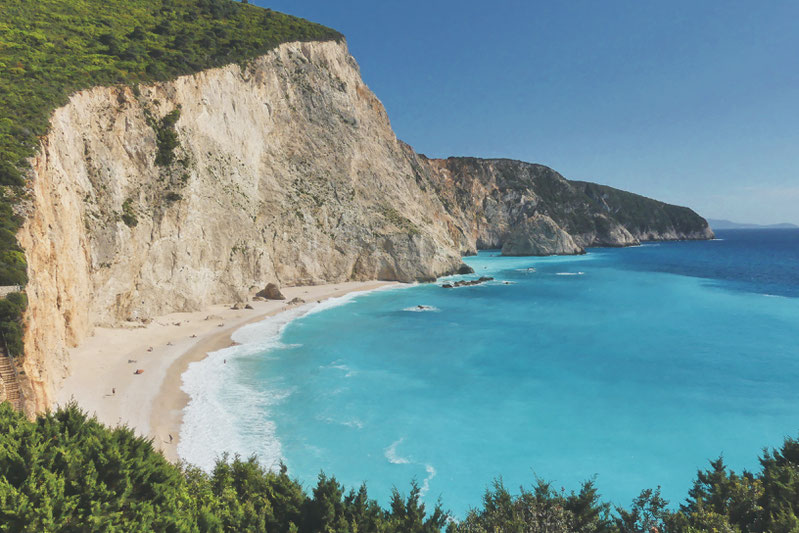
(633, 365)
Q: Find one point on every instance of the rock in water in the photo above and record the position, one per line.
(540, 235)
(465, 269)
(271, 292)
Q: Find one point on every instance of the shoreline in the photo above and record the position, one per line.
(102, 376)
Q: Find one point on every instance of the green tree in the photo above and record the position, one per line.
(648, 514)
(410, 515)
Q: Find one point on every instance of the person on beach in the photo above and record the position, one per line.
(170, 438)
(113, 390)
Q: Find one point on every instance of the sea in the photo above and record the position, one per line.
(632, 367)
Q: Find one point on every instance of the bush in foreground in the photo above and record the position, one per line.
(67, 472)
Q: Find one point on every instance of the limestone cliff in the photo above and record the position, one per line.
(539, 235)
(177, 195)
(496, 199)
(286, 170)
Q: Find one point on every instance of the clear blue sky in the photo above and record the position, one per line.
(695, 103)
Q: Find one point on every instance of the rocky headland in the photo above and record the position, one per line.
(284, 170)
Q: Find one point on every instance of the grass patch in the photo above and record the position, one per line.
(166, 138)
(129, 214)
(400, 221)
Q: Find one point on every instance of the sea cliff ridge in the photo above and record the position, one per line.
(175, 195)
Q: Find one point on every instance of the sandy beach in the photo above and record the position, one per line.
(103, 369)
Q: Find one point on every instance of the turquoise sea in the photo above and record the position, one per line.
(632, 366)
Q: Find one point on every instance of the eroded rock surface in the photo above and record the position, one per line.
(539, 235)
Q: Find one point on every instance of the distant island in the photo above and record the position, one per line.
(726, 224)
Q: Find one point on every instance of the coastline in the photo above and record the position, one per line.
(102, 369)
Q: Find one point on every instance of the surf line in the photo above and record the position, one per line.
(394, 458)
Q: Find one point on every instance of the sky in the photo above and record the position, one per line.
(693, 103)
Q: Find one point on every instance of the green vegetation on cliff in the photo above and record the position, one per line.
(50, 49)
(67, 472)
(642, 215)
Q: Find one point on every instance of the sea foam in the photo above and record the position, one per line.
(213, 421)
(421, 309)
(394, 458)
(224, 414)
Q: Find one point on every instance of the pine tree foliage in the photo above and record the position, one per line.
(66, 472)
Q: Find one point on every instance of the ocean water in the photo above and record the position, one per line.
(632, 366)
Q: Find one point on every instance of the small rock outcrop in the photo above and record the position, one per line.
(467, 282)
(271, 292)
(540, 235)
(465, 269)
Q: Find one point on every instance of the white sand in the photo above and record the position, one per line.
(104, 383)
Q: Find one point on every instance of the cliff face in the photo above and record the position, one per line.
(539, 235)
(284, 171)
(644, 218)
(499, 202)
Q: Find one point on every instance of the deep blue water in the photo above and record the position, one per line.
(633, 365)
(761, 261)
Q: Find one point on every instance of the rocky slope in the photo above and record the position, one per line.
(284, 171)
(502, 203)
